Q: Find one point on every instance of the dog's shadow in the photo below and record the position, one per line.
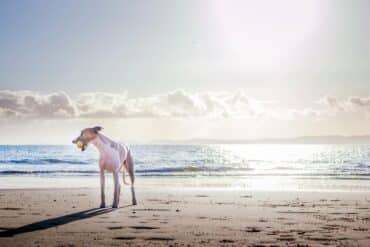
(54, 222)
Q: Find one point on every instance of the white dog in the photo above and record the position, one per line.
(114, 157)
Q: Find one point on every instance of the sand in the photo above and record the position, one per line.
(184, 216)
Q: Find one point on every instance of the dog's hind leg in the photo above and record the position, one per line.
(130, 169)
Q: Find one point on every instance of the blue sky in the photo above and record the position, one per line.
(289, 53)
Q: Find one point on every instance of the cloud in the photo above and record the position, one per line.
(350, 104)
(332, 103)
(33, 104)
(178, 103)
(175, 104)
(358, 101)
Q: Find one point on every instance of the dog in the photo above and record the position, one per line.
(114, 157)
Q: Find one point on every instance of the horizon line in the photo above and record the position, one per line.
(319, 139)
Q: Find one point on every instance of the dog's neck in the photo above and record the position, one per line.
(99, 143)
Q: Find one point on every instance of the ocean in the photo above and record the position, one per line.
(247, 166)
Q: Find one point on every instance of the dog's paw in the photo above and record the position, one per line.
(134, 202)
(102, 205)
(115, 204)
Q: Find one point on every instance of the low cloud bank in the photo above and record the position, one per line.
(178, 103)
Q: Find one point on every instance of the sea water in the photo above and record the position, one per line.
(234, 166)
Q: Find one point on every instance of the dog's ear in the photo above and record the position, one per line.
(96, 129)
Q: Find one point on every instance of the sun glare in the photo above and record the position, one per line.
(265, 28)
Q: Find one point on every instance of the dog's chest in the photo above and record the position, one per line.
(110, 155)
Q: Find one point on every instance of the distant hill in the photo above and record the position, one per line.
(331, 139)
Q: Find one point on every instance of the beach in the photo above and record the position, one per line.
(182, 216)
(191, 195)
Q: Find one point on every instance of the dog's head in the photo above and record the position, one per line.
(87, 135)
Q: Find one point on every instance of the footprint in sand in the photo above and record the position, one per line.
(159, 239)
(331, 227)
(144, 227)
(252, 229)
(226, 241)
(125, 238)
(360, 229)
(290, 223)
(10, 208)
(320, 239)
(115, 227)
(286, 239)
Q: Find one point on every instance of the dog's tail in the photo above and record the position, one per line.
(124, 176)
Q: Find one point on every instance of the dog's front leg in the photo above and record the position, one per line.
(116, 189)
(102, 188)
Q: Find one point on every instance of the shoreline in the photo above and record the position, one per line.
(237, 183)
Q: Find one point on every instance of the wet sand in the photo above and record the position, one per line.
(188, 216)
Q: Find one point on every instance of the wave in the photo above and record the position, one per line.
(191, 171)
(362, 165)
(165, 170)
(44, 161)
(35, 172)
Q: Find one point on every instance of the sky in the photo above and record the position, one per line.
(174, 70)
